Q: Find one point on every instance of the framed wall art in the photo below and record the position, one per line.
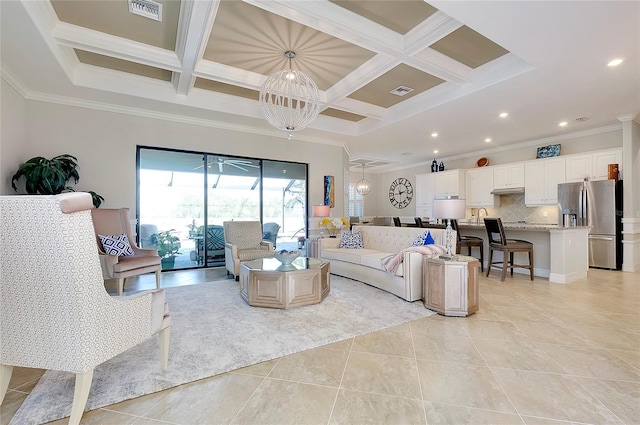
(548, 151)
(329, 191)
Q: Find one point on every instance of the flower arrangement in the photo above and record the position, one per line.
(333, 225)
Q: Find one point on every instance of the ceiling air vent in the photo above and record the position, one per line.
(147, 8)
(401, 91)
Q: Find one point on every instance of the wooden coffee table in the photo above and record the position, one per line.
(268, 283)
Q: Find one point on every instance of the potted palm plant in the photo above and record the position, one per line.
(50, 176)
(168, 247)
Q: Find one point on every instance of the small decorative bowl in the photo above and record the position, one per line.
(286, 257)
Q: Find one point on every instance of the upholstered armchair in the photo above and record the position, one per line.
(270, 232)
(110, 222)
(55, 313)
(243, 242)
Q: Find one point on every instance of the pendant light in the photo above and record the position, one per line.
(290, 99)
(363, 186)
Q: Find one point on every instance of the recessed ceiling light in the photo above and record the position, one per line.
(562, 123)
(434, 134)
(504, 115)
(488, 139)
(435, 151)
(615, 62)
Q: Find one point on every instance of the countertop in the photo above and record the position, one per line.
(539, 227)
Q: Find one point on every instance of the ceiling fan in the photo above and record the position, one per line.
(237, 163)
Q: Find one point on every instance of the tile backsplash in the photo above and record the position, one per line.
(512, 208)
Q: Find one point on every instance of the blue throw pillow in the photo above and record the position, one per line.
(423, 239)
(429, 239)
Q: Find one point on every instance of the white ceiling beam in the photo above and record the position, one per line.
(441, 66)
(434, 28)
(194, 28)
(117, 47)
(368, 71)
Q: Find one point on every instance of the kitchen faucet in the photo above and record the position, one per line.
(486, 213)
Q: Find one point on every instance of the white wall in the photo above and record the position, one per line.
(13, 137)
(105, 145)
(610, 139)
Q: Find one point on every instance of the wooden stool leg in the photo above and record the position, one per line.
(505, 264)
(531, 263)
(490, 260)
(481, 258)
(511, 260)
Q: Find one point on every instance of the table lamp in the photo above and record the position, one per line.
(449, 209)
(321, 211)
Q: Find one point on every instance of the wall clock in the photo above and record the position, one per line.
(400, 193)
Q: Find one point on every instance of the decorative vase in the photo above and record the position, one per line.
(441, 168)
(434, 166)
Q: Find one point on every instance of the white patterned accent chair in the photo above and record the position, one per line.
(55, 312)
(243, 242)
(115, 221)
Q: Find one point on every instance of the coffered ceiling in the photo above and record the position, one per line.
(458, 64)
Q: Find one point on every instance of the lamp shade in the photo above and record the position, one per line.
(321, 211)
(449, 208)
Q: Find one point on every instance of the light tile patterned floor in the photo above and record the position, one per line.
(535, 353)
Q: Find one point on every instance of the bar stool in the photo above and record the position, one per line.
(498, 242)
(396, 222)
(469, 242)
(418, 222)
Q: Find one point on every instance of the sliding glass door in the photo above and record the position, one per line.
(184, 197)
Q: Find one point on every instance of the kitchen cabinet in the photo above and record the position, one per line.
(449, 183)
(508, 176)
(424, 194)
(541, 179)
(592, 166)
(479, 184)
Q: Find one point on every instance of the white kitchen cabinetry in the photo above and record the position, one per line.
(479, 184)
(508, 176)
(449, 183)
(541, 179)
(424, 194)
(592, 166)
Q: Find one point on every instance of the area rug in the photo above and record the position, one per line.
(214, 331)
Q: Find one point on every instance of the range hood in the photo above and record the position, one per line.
(507, 191)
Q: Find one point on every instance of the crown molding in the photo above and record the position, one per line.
(629, 117)
(13, 81)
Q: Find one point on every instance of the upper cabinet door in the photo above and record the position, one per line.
(449, 183)
(601, 161)
(479, 186)
(578, 167)
(508, 176)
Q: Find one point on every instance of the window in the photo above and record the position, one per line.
(356, 201)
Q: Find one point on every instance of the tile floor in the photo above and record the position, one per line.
(535, 353)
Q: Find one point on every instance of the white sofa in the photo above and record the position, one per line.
(379, 242)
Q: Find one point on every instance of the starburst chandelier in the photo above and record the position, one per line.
(290, 99)
(363, 186)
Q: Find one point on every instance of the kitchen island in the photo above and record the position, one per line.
(560, 254)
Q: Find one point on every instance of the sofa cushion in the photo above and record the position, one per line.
(374, 260)
(351, 240)
(347, 255)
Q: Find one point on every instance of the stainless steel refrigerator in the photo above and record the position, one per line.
(598, 205)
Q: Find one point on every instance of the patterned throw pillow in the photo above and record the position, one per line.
(423, 239)
(116, 245)
(351, 240)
